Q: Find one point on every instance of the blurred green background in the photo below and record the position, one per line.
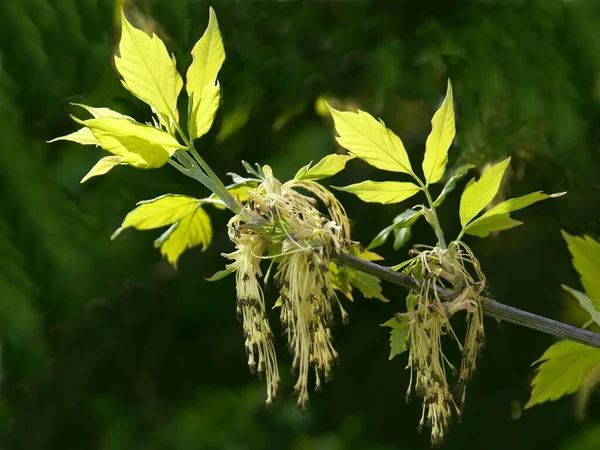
(104, 346)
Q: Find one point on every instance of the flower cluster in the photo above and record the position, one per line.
(428, 319)
(280, 225)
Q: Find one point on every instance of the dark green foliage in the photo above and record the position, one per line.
(104, 346)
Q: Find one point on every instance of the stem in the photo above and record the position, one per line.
(437, 228)
(217, 185)
(490, 308)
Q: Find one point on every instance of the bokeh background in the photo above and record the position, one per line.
(104, 346)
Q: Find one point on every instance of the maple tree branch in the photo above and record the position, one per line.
(490, 307)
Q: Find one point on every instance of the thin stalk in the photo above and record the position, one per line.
(490, 308)
(218, 187)
(437, 227)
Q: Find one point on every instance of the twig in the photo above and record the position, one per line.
(490, 307)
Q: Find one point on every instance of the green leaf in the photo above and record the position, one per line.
(478, 194)
(368, 285)
(159, 212)
(148, 72)
(382, 191)
(221, 274)
(138, 145)
(586, 260)
(438, 143)
(399, 334)
(103, 166)
(585, 302)
(514, 204)
(483, 226)
(401, 237)
(202, 87)
(403, 220)
(192, 230)
(327, 167)
(370, 140)
(451, 183)
(562, 371)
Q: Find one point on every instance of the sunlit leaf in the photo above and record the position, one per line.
(102, 167)
(192, 230)
(451, 183)
(478, 194)
(586, 260)
(204, 111)
(138, 145)
(102, 112)
(585, 302)
(399, 333)
(517, 203)
(147, 70)
(483, 226)
(82, 136)
(159, 212)
(370, 140)
(562, 371)
(382, 191)
(327, 167)
(438, 143)
(201, 84)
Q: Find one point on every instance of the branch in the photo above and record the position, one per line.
(490, 307)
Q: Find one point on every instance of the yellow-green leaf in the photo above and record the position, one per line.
(438, 143)
(103, 166)
(370, 140)
(586, 260)
(478, 194)
(82, 136)
(517, 203)
(102, 112)
(399, 334)
(138, 145)
(483, 226)
(148, 72)
(203, 112)
(327, 167)
(192, 230)
(208, 56)
(382, 191)
(563, 369)
(159, 212)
